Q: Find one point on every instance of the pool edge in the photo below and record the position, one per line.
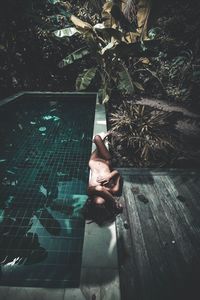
(99, 271)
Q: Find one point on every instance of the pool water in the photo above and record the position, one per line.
(45, 146)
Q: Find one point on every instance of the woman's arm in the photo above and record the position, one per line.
(114, 173)
(115, 189)
(116, 179)
(106, 178)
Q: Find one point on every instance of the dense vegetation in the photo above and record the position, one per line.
(150, 88)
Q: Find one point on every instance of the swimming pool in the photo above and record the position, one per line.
(45, 147)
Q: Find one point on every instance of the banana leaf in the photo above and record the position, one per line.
(84, 79)
(53, 1)
(138, 85)
(125, 81)
(71, 58)
(69, 31)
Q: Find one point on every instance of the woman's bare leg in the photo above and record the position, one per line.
(101, 151)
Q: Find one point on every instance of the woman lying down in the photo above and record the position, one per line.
(104, 183)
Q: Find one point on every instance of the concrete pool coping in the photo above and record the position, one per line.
(99, 270)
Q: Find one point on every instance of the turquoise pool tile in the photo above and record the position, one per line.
(43, 182)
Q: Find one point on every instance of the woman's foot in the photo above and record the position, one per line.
(103, 135)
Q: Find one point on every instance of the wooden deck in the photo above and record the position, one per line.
(159, 235)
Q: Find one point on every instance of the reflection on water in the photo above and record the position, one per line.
(48, 222)
(43, 179)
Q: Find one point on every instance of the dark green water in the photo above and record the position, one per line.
(45, 144)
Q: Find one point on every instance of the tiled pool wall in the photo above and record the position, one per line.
(45, 147)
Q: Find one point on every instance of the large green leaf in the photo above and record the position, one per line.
(125, 81)
(84, 79)
(53, 1)
(138, 85)
(69, 31)
(71, 58)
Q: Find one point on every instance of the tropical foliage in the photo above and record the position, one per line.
(144, 133)
(40, 49)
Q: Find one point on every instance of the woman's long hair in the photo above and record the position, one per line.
(100, 213)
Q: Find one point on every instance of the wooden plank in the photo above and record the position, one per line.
(156, 171)
(140, 252)
(165, 238)
(172, 256)
(129, 277)
(191, 182)
(167, 198)
(188, 210)
(190, 285)
(154, 246)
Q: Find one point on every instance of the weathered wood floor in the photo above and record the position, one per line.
(159, 235)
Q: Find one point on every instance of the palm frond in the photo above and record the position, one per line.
(143, 131)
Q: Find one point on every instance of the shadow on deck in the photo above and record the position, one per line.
(159, 234)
